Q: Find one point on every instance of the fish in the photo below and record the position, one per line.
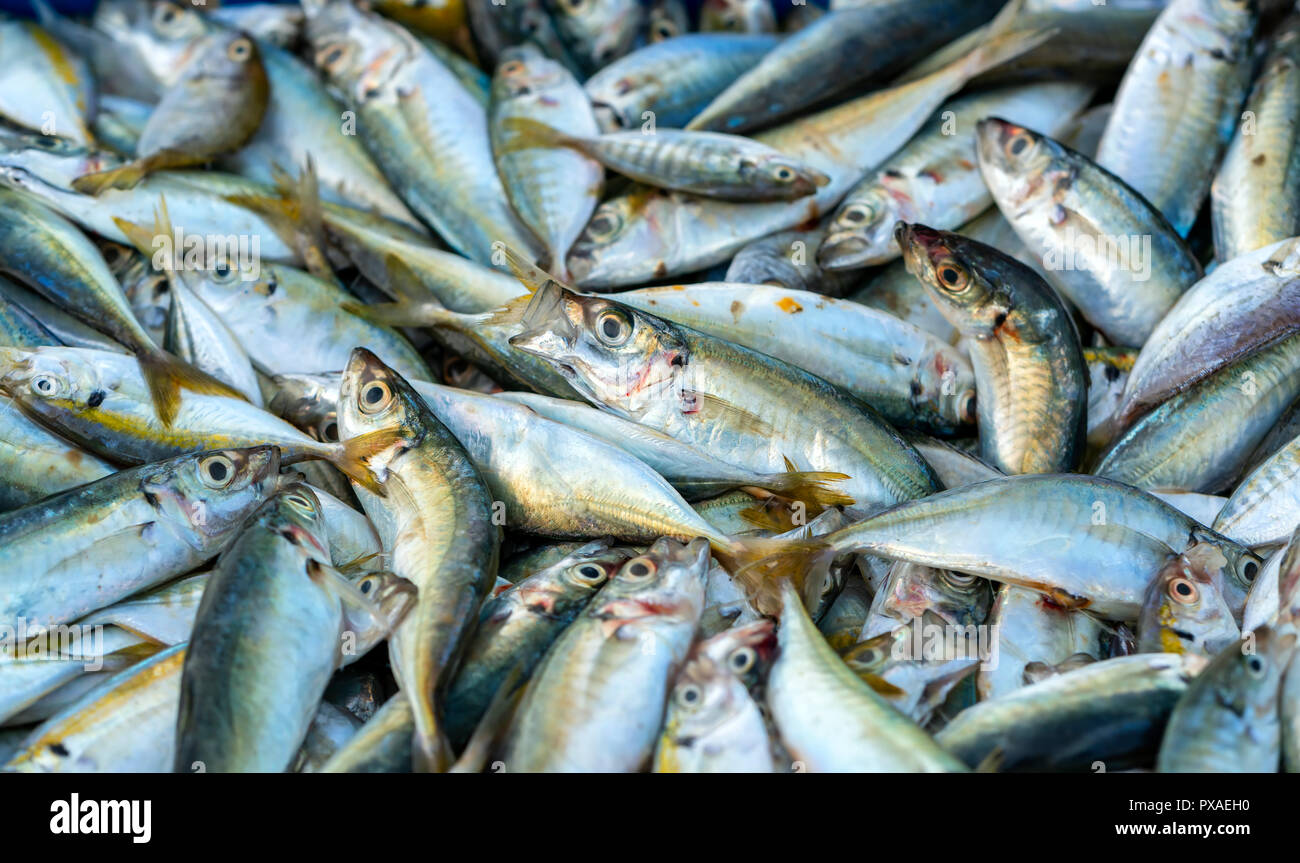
(435, 523)
(91, 546)
(607, 677)
(1030, 378)
(1184, 610)
(214, 107)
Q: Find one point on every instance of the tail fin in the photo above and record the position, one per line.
(167, 375)
(296, 215)
(353, 456)
(524, 133)
(809, 486)
(1004, 42)
(122, 177)
(759, 566)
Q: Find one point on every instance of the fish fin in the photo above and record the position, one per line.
(356, 451)
(809, 486)
(760, 565)
(1003, 43)
(129, 175)
(137, 235)
(772, 514)
(167, 375)
(403, 283)
(879, 685)
(296, 215)
(531, 276)
(501, 709)
(525, 133)
(402, 313)
(712, 407)
(357, 565)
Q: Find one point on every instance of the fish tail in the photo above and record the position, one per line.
(353, 456)
(525, 133)
(401, 313)
(167, 375)
(760, 565)
(1004, 42)
(810, 486)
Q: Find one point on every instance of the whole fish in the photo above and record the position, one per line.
(714, 724)
(1227, 721)
(727, 167)
(436, 525)
(1024, 348)
(711, 393)
(87, 548)
(1253, 195)
(518, 625)
(1120, 537)
(1180, 97)
(912, 378)
(213, 108)
(608, 675)
(1111, 254)
(553, 189)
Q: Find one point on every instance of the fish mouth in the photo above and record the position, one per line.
(845, 251)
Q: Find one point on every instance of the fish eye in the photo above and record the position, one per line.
(688, 696)
(166, 15)
(223, 272)
(639, 569)
(1182, 590)
(240, 50)
(1255, 665)
(613, 327)
(375, 396)
(602, 226)
(857, 214)
(46, 142)
(1018, 144)
(331, 56)
(588, 573)
(45, 385)
(783, 174)
(665, 30)
(1249, 570)
(952, 276)
(742, 659)
(216, 471)
(329, 429)
(367, 584)
(512, 67)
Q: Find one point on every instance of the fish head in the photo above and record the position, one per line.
(666, 19)
(1235, 574)
(737, 16)
(747, 652)
(225, 58)
(1020, 166)
(571, 581)
(1184, 610)
(596, 31)
(391, 593)
(296, 514)
(207, 495)
(28, 160)
(959, 274)
(616, 356)
(861, 233)
(1248, 673)
(374, 398)
(704, 702)
(158, 36)
(666, 584)
(56, 381)
(1288, 589)
(309, 402)
(621, 234)
(524, 72)
(782, 176)
(356, 51)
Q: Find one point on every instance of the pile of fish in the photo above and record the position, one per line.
(598, 385)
